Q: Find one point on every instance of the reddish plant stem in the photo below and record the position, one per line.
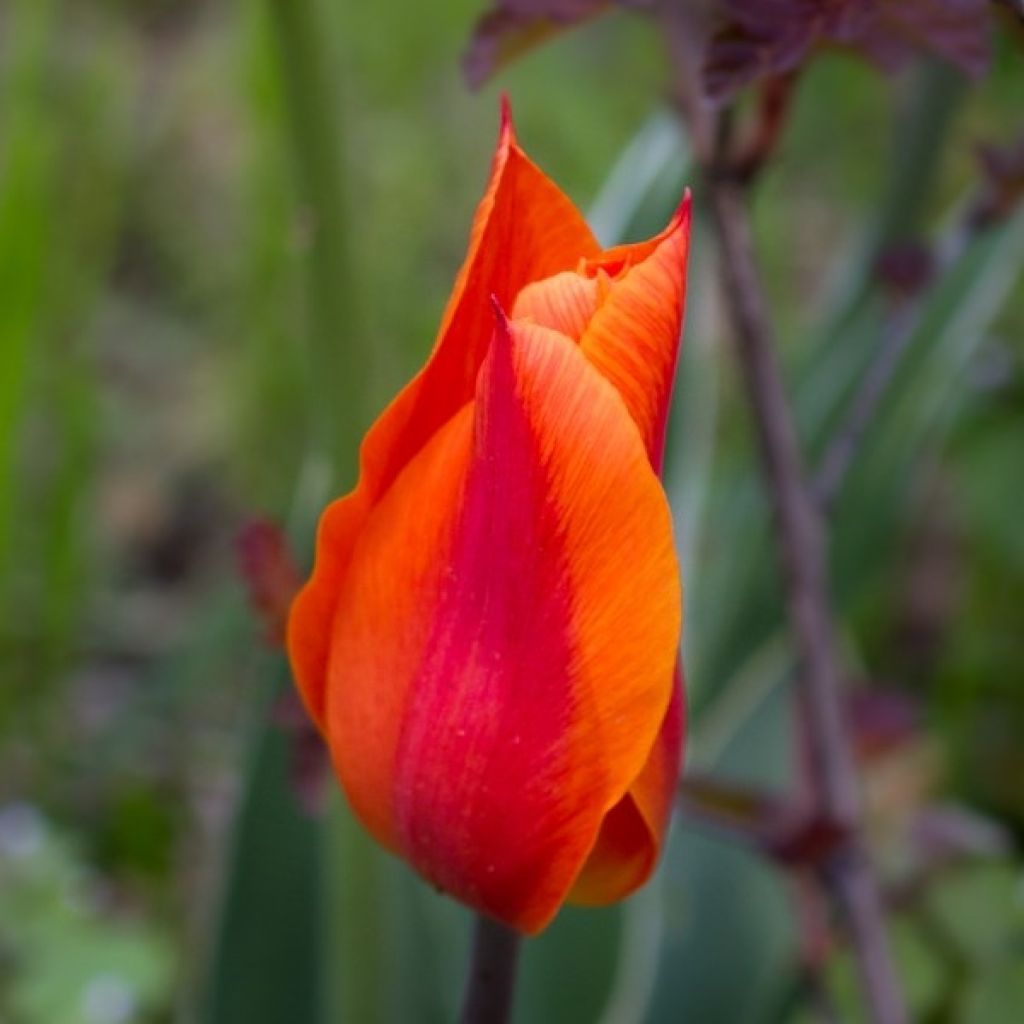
(492, 974)
(799, 533)
(798, 525)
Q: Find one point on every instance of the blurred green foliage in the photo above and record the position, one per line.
(227, 231)
(61, 956)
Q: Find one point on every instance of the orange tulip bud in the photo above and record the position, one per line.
(488, 641)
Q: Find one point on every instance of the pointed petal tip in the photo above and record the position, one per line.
(500, 317)
(501, 339)
(684, 211)
(507, 128)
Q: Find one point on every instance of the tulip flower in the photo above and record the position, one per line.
(488, 642)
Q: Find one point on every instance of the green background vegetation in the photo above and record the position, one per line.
(227, 231)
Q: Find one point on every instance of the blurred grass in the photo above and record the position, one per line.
(26, 224)
(226, 235)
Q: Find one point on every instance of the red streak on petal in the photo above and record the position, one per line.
(495, 677)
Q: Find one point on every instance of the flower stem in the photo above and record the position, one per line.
(490, 987)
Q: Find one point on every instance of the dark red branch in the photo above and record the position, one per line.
(799, 533)
(798, 524)
(789, 831)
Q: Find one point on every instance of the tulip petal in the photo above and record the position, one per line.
(625, 308)
(565, 302)
(309, 619)
(503, 646)
(525, 228)
(633, 831)
(633, 337)
(383, 620)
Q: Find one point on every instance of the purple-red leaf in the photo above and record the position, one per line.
(956, 31)
(511, 27)
(757, 38)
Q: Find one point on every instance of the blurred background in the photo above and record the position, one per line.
(227, 231)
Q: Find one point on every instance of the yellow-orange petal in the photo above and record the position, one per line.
(625, 308)
(633, 336)
(525, 228)
(308, 630)
(503, 645)
(565, 302)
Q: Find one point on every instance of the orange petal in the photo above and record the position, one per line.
(383, 620)
(632, 832)
(525, 228)
(503, 646)
(625, 308)
(633, 337)
(566, 302)
(309, 619)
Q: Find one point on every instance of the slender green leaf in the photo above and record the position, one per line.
(269, 957)
(27, 176)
